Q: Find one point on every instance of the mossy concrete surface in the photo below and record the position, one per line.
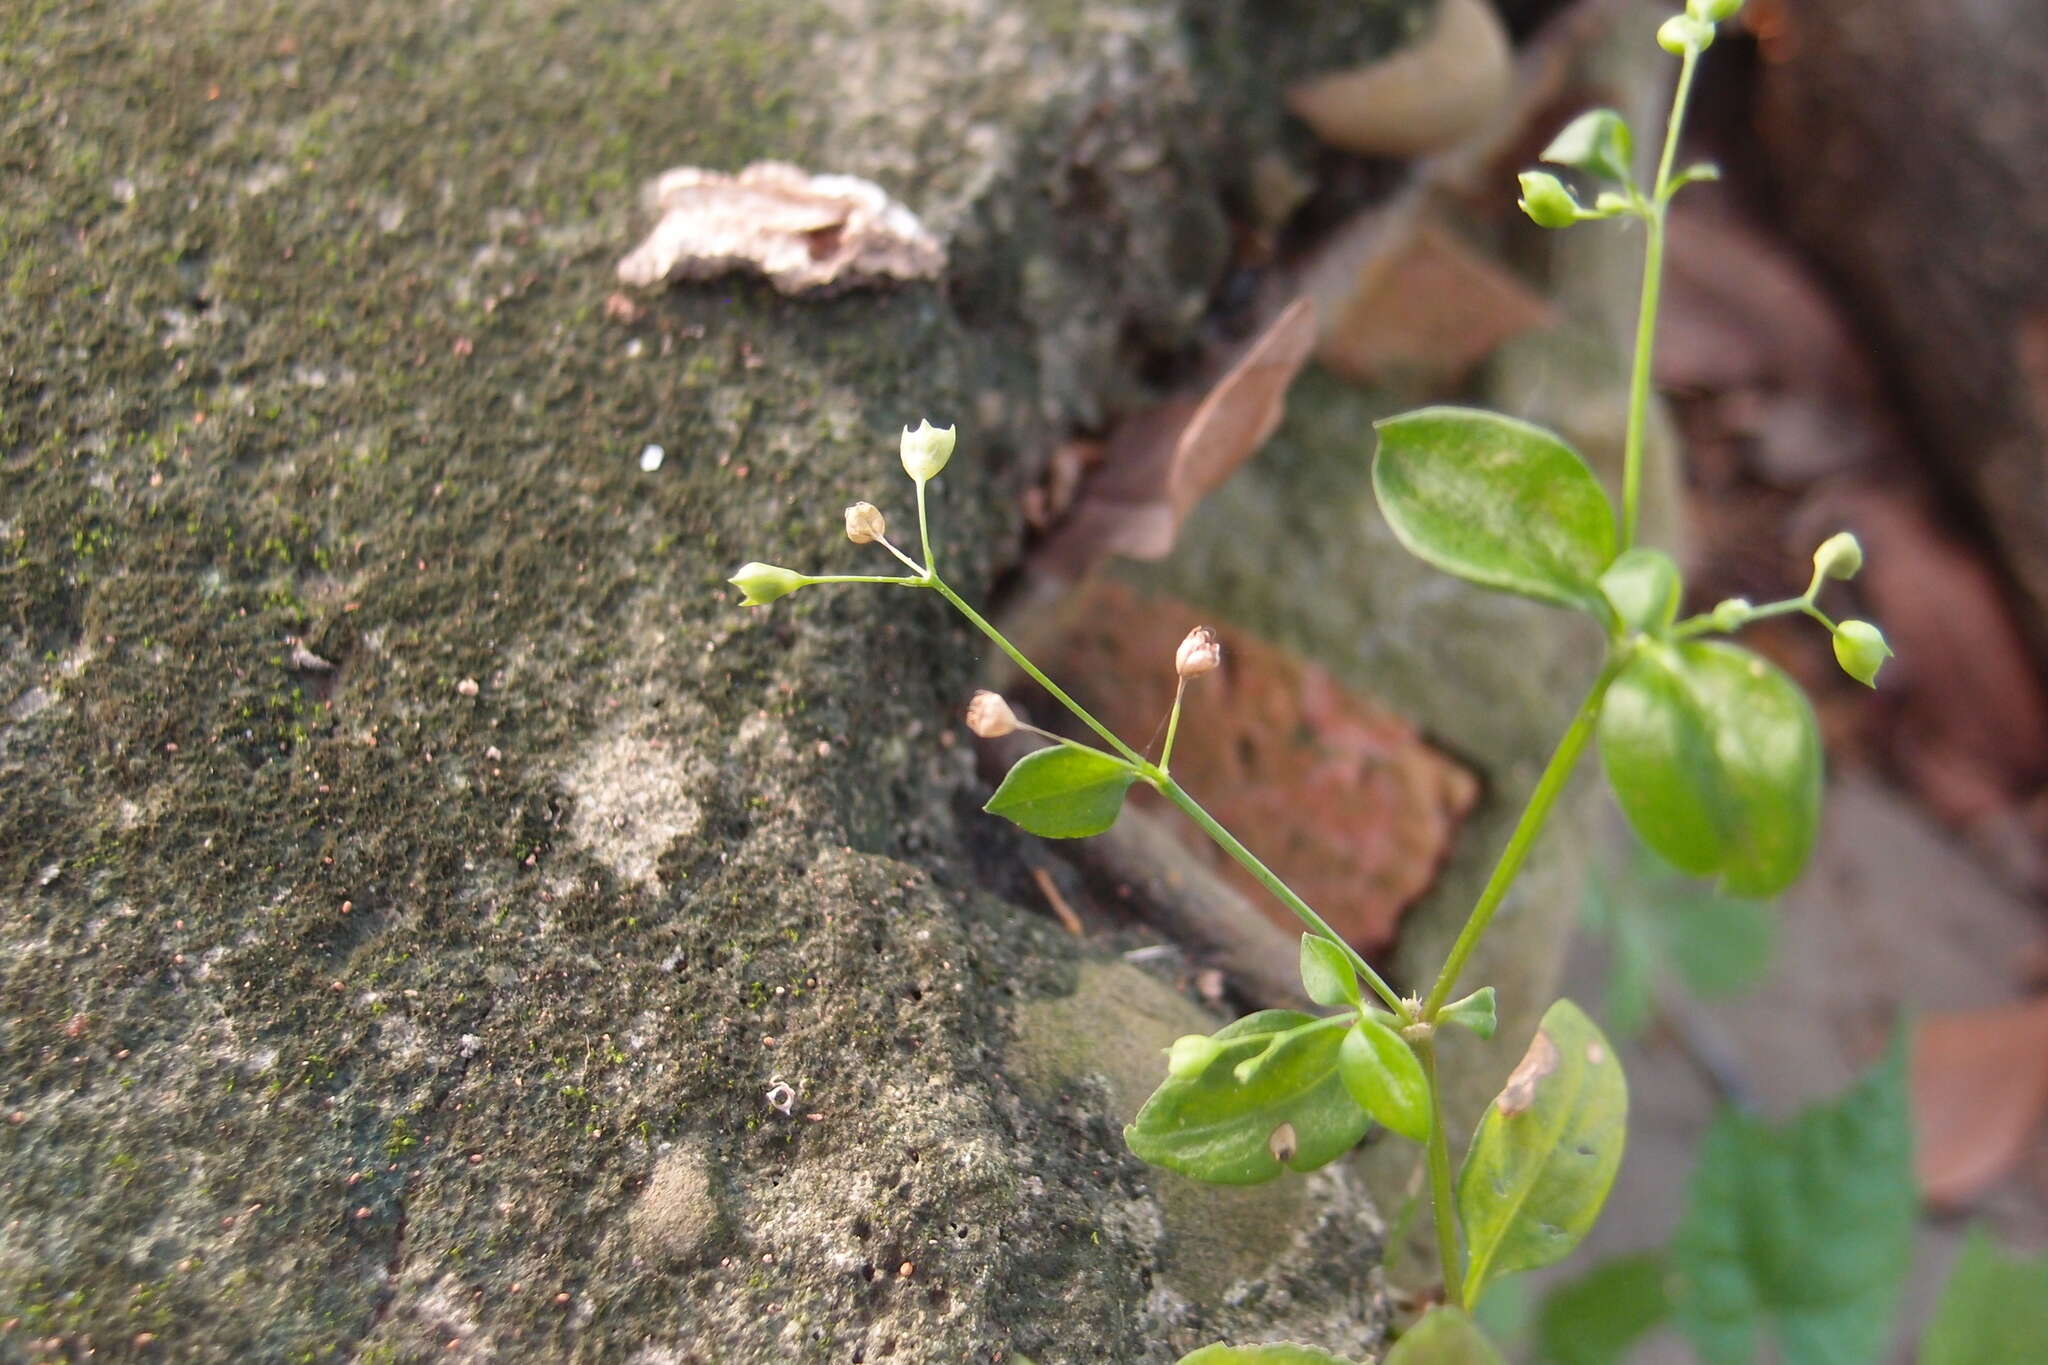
(417, 876)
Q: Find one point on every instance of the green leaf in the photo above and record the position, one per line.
(1545, 1153)
(1993, 1311)
(1596, 1318)
(1445, 1336)
(1326, 973)
(1064, 792)
(1237, 1129)
(1273, 1353)
(1498, 502)
(1385, 1077)
(1715, 759)
(1660, 927)
(1804, 1229)
(1597, 142)
(1643, 588)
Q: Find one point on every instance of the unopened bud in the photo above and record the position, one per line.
(1839, 556)
(1200, 653)
(1682, 31)
(926, 450)
(760, 584)
(989, 716)
(864, 523)
(1547, 201)
(1712, 11)
(1732, 614)
(1860, 650)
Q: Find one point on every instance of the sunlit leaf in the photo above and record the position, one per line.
(1384, 1076)
(1545, 1153)
(1993, 1311)
(1597, 142)
(1326, 973)
(1063, 792)
(1271, 1101)
(1802, 1230)
(1643, 588)
(1498, 502)
(1445, 1336)
(1715, 759)
(1596, 1318)
(1273, 1353)
(1661, 928)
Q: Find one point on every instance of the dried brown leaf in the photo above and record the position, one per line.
(803, 232)
(1422, 98)
(1426, 310)
(1980, 1092)
(1159, 464)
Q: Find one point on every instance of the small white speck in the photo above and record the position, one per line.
(651, 458)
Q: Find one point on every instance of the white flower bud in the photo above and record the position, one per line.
(989, 716)
(926, 450)
(1839, 556)
(864, 523)
(1200, 653)
(760, 584)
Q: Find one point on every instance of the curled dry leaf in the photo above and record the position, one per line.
(1980, 1093)
(1424, 97)
(1160, 464)
(804, 232)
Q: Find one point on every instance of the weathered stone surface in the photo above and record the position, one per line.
(428, 1005)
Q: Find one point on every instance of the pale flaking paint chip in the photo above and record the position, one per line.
(804, 232)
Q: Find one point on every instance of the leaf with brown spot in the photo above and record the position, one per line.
(1545, 1153)
(1520, 1091)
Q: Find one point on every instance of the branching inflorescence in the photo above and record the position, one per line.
(1712, 754)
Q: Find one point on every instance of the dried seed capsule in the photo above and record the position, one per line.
(989, 716)
(1199, 653)
(865, 524)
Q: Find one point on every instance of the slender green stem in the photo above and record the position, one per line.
(1124, 750)
(1267, 878)
(900, 582)
(1180, 689)
(1548, 788)
(1443, 1207)
(1646, 315)
(924, 534)
(908, 562)
(1173, 792)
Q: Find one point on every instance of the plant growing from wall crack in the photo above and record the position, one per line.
(1711, 752)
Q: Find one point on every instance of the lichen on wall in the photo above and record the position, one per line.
(352, 1012)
